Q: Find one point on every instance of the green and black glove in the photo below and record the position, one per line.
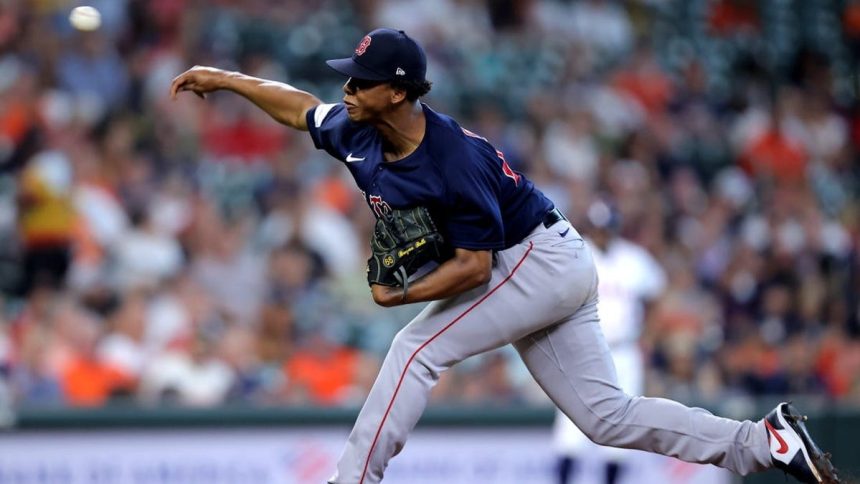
(403, 241)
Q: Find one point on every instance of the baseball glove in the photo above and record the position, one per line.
(403, 241)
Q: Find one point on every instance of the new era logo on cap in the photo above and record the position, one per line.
(393, 55)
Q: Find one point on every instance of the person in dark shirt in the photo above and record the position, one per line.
(520, 274)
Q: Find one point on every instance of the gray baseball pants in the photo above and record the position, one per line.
(542, 298)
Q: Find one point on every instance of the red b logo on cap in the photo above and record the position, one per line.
(362, 46)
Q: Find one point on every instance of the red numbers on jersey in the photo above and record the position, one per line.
(506, 169)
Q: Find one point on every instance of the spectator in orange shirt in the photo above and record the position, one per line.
(775, 154)
(86, 380)
(90, 382)
(645, 81)
(322, 371)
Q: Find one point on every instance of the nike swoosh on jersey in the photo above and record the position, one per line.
(783, 445)
(352, 159)
(564, 234)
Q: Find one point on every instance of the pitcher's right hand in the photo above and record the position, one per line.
(199, 80)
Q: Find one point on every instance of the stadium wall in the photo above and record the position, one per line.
(300, 445)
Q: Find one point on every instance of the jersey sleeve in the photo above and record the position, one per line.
(329, 128)
(476, 218)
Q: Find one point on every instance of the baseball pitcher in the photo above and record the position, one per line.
(510, 269)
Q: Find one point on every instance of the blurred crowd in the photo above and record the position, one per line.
(197, 253)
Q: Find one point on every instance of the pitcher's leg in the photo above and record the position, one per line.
(571, 362)
(402, 372)
(445, 333)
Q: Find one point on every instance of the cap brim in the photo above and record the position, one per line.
(350, 68)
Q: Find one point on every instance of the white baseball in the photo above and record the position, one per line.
(85, 18)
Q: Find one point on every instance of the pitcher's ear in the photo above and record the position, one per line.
(398, 94)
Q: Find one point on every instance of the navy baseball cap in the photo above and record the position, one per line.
(384, 55)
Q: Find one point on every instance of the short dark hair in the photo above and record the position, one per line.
(414, 89)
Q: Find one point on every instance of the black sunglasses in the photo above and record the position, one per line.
(354, 84)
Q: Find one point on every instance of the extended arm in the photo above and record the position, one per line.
(465, 271)
(286, 104)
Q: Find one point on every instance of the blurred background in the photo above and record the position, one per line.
(195, 257)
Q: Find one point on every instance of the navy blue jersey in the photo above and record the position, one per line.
(477, 201)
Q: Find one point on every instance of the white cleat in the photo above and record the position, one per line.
(793, 450)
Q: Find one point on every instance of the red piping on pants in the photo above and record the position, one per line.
(415, 353)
